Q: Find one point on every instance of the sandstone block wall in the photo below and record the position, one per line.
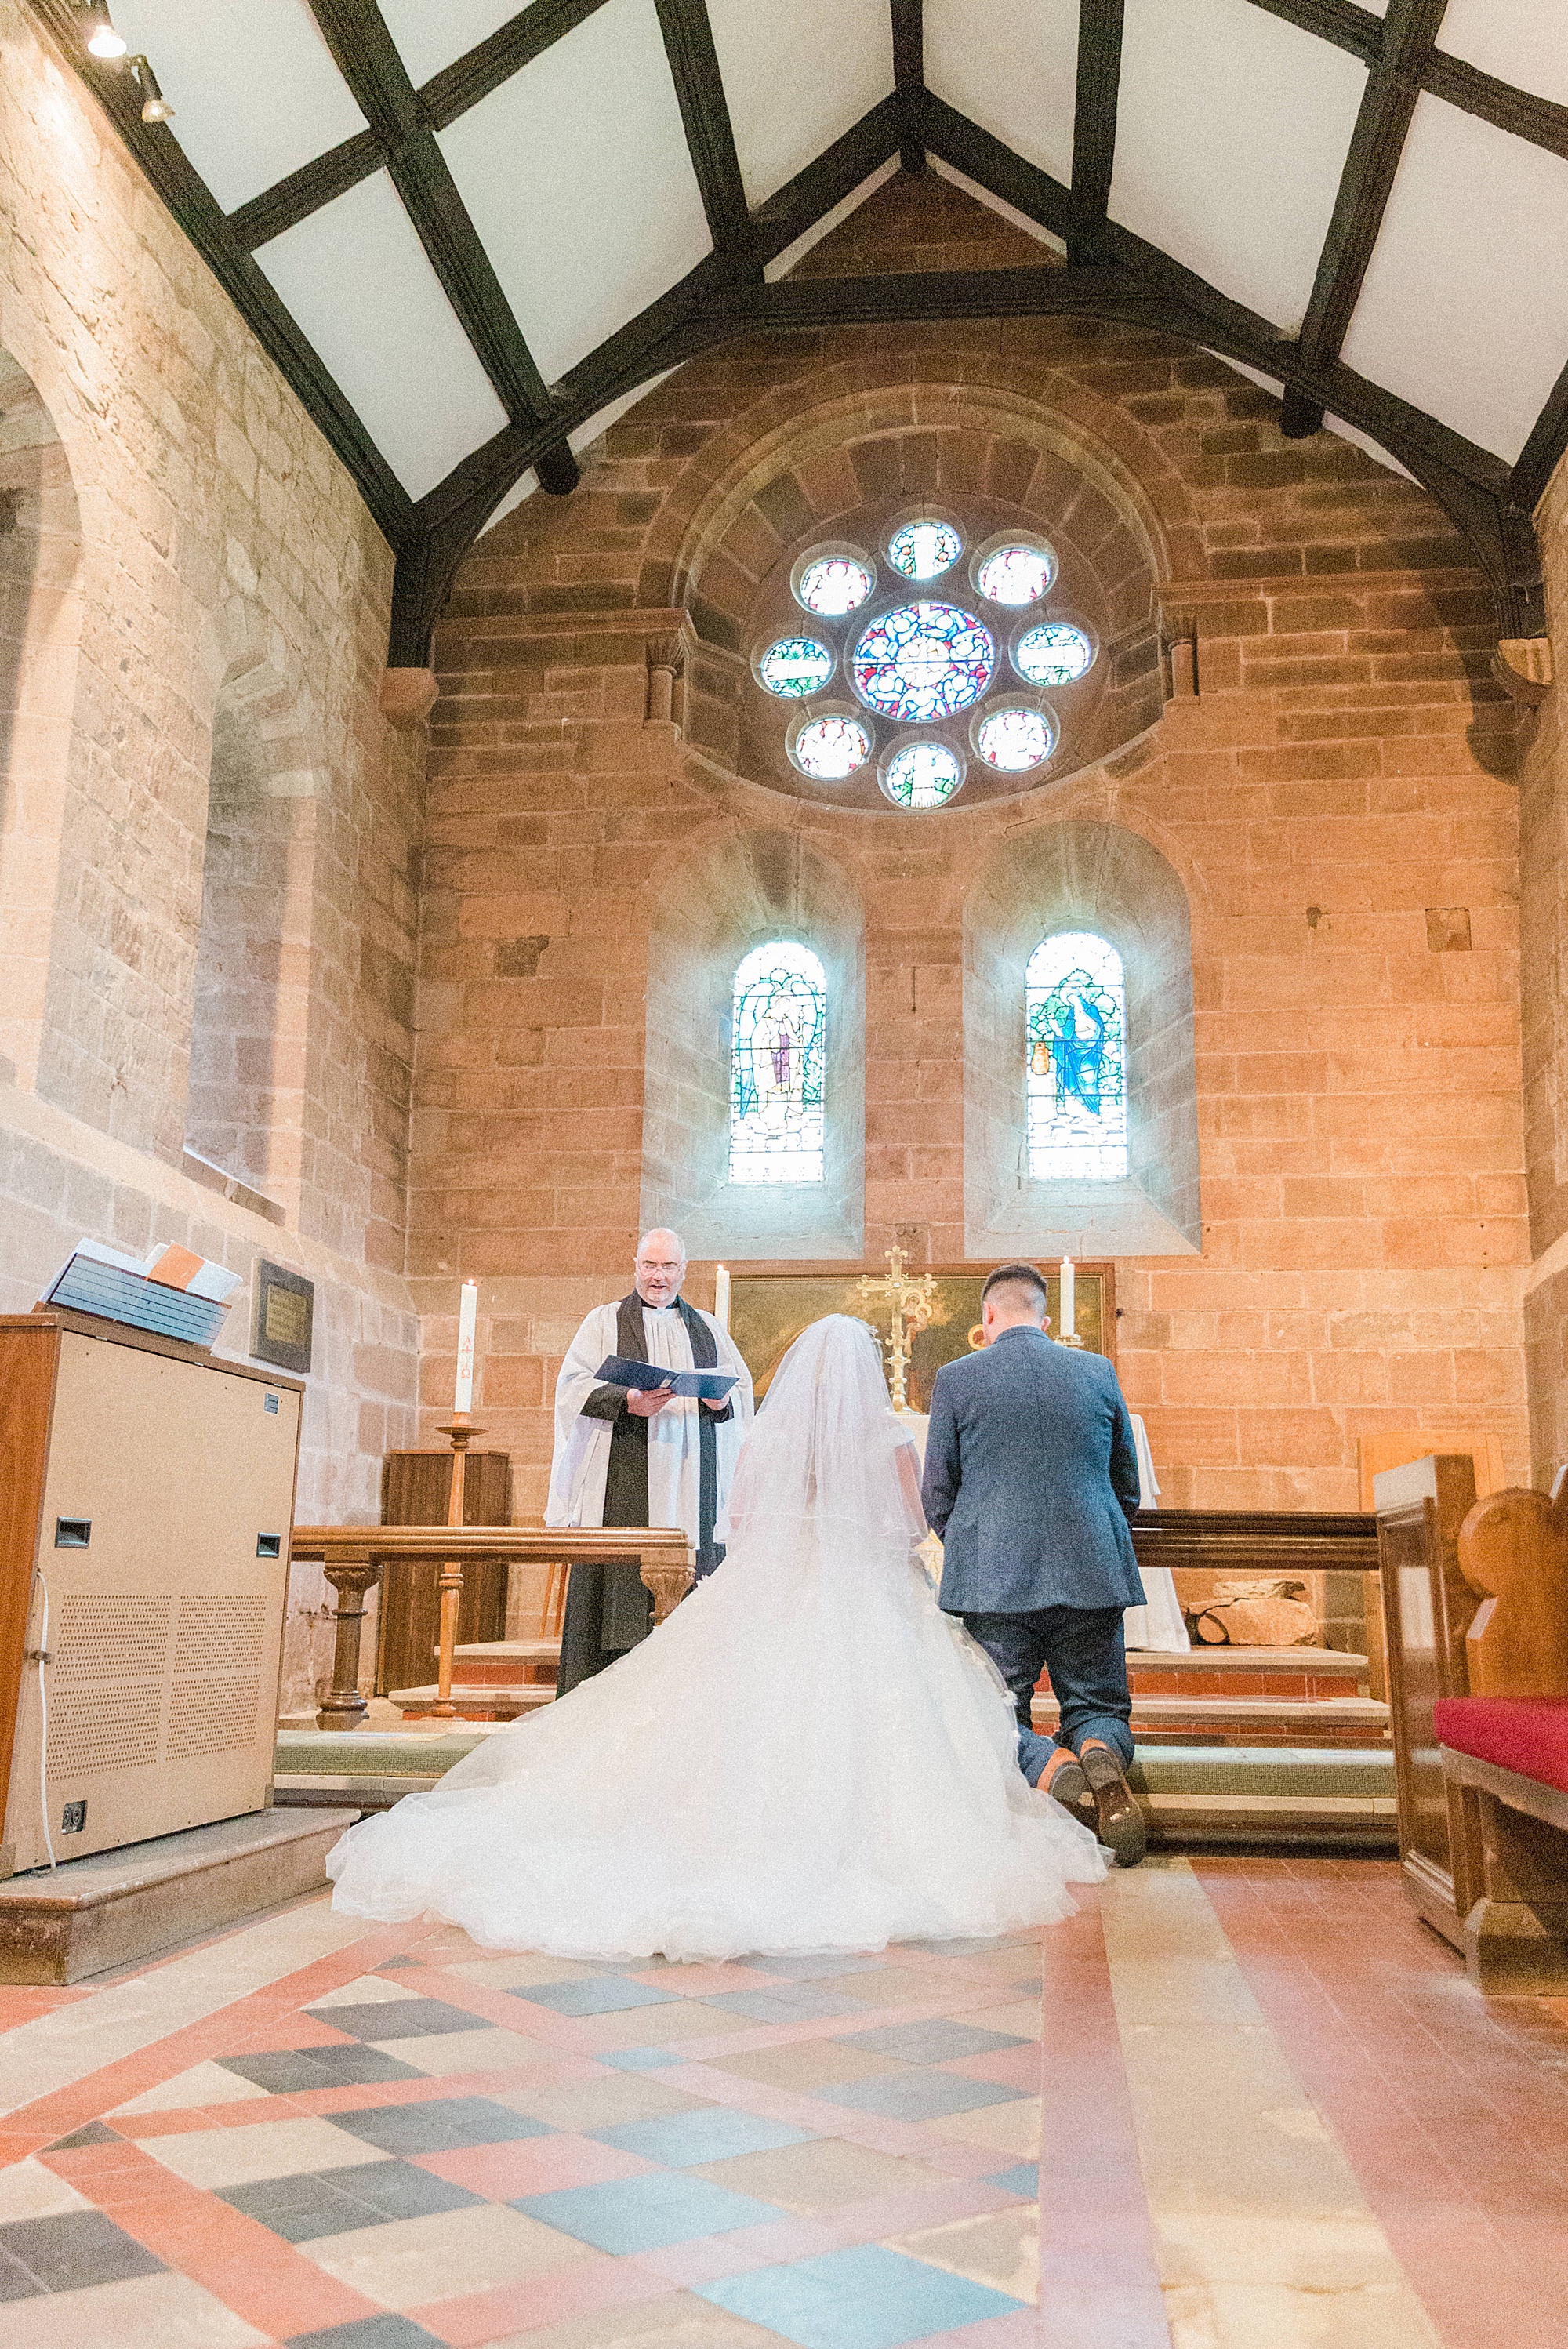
(175, 533)
(1544, 914)
(1337, 801)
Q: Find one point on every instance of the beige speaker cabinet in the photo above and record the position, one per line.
(146, 1498)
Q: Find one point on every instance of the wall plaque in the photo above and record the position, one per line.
(285, 1316)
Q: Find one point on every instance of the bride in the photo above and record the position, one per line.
(807, 1755)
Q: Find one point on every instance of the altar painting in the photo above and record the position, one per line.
(768, 1310)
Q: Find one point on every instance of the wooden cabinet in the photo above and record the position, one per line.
(416, 1487)
(1427, 1608)
(148, 1497)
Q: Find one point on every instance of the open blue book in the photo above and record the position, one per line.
(616, 1371)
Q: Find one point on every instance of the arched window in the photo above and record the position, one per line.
(776, 1064)
(1074, 1010)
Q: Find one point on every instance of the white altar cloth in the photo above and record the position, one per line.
(1158, 1624)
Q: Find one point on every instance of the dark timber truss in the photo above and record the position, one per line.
(1110, 273)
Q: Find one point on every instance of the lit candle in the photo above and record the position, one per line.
(721, 1296)
(463, 1398)
(1067, 1299)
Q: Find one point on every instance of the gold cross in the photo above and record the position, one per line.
(910, 1304)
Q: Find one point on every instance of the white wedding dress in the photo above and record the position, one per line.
(807, 1755)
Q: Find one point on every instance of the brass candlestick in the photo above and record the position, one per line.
(450, 1587)
(910, 1304)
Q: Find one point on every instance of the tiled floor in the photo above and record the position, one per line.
(1273, 2114)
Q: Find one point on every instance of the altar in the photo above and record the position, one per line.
(923, 1320)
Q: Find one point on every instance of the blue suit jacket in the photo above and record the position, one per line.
(1030, 1478)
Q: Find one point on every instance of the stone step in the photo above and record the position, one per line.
(1297, 1672)
(1239, 1797)
(476, 1699)
(1290, 1672)
(116, 1908)
(1246, 1720)
(508, 1664)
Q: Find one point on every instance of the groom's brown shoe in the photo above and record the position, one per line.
(1063, 1779)
(1120, 1821)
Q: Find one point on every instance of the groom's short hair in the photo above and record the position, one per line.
(1019, 1284)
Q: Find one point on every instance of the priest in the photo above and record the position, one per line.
(640, 1457)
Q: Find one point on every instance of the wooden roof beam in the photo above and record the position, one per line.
(1377, 143)
(1473, 486)
(705, 116)
(368, 59)
(909, 75)
(1095, 95)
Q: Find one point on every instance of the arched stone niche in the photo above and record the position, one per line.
(1080, 876)
(40, 631)
(740, 892)
(843, 470)
(250, 1002)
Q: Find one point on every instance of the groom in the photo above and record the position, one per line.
(1030, 1479)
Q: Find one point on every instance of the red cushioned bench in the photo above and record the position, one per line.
(1507, 1742)
(1514, 1747)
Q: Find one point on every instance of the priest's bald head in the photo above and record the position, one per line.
(660, 1266)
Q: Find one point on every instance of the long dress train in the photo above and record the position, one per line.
(807, 1755)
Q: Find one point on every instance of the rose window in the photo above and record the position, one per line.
(938, 678)
(921, 661)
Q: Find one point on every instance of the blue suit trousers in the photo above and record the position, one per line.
(1083, 1650)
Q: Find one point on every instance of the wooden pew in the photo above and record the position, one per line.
(1427, 1608)
(1507, 1741)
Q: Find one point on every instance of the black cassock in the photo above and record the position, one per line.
(608, 1608)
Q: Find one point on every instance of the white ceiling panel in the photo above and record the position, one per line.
(577, 175)
(430, 34)
(1231, 130)
(1464, 307)
(1011, 66)
(1521, 41)
(356, 277)
(242, 128)
(789, 97)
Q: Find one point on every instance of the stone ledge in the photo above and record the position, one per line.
(60, 1925)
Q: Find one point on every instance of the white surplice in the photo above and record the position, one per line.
(582, 1457)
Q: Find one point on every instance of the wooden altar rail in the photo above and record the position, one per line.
(352, 1557)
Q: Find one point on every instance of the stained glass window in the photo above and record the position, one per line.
(923, 775)
(1053, 654)
(925, 550)
(776, 1065)
(1014, 574)
(796, 667)
(922, 661)
(1075, 1010)
(1013, 741)
(834, 585)
(829, 747)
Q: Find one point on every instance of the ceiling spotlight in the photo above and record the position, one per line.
(103, 41)
(155, 106)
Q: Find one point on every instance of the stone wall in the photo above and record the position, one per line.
(1335, 801)
(175, 533)
(1543, 912)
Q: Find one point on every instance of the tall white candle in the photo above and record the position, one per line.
(721, 1296)
(1068, 1300)
(463, 1398)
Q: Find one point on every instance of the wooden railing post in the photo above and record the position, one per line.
(350, 1578)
